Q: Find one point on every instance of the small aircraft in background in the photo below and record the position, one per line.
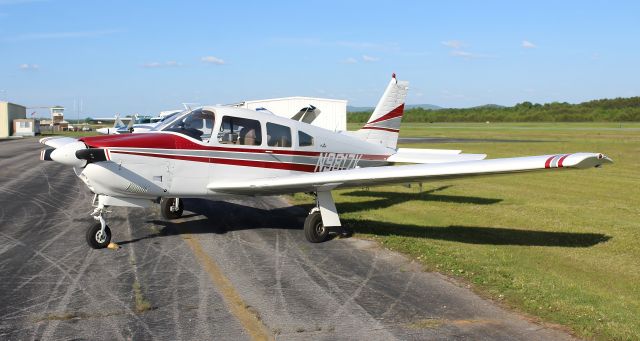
(217, 151)
(118, 126)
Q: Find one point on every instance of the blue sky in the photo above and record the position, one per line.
(147, 56)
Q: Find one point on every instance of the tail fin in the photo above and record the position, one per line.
(384, 124)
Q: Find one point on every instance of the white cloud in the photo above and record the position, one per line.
(369, 59)
(528, 45)
(350, 60)
(453, 44)
(212, 60)
(171, 63)
(26, 66)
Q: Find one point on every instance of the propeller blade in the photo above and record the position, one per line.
(92, 154)
(45, 155)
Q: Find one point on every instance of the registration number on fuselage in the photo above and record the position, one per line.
(336, 161)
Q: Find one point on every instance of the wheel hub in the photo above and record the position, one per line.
(101, 237)
(320, 228)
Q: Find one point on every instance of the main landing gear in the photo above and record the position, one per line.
(323, 219)
(171, 208)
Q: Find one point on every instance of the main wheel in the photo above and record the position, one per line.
(314, 230)
(96, 238)
(167, 209)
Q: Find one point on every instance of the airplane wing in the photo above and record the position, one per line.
(402, 174)
(412, 155)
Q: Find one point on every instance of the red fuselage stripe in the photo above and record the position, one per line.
(170, 141)
(247, 163)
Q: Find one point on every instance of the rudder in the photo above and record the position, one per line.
(383, 126)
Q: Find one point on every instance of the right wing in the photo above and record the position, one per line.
(359, 177)
(412, 155)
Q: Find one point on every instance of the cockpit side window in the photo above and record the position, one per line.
(278, 135)
(197, 124)
(238, 130)
(304, 139)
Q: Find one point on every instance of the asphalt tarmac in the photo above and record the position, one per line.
(228, 270)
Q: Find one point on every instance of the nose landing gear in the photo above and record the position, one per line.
(99, 234)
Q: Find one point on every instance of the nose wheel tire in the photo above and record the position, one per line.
(168, 210)
(314, 229)
(96, 238)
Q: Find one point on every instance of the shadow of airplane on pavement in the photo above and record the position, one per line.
(220, 217)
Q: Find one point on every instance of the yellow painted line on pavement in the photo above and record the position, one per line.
(249, 320)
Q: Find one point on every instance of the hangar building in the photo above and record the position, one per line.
(8, 113)
(333, 112)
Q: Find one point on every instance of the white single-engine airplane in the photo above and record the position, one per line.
(216, 151)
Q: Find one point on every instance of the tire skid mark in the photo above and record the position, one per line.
(64, 302)
(398, 299)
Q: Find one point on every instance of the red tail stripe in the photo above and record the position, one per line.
(397, 112)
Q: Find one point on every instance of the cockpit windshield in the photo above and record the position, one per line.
(197, 124)
(168, 119)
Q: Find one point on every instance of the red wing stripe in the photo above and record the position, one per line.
(548, 163)
(562, 159)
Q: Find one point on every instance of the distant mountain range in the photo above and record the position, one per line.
(407, 106)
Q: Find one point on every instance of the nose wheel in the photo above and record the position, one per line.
(99, 234)
(97, 237)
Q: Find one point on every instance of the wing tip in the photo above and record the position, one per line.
(588, 160)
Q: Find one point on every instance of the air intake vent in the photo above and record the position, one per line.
(134, 188)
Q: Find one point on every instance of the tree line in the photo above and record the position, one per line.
(601, 110)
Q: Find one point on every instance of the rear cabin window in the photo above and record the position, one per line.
(304, 139)
(278, 135)
(198, 124)
(241, 131)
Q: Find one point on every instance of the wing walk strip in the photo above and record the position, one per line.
(249, 320)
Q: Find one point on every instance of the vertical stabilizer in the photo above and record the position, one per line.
(383, 126)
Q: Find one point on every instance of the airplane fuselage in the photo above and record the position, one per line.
(173, 163)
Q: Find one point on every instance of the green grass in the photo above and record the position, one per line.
(561, 245)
